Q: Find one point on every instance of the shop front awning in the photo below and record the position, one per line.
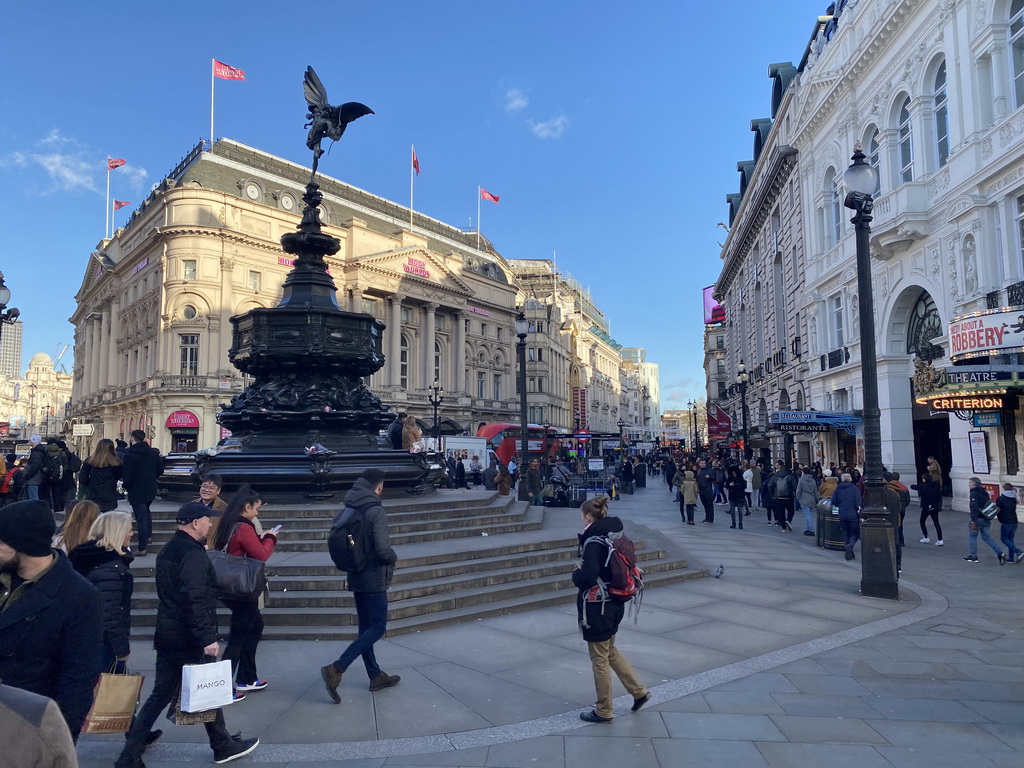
(814, 421)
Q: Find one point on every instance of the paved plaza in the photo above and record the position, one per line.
(778, 663)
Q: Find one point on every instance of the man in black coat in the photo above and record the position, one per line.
(186, 632)
(369, 586)
(143, 464)
(395, 431)
(50, 623)
(34, 476)
(706, 490)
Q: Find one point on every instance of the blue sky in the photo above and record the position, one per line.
(611, 131)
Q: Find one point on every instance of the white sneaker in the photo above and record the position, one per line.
(926, 540)
(938, 543)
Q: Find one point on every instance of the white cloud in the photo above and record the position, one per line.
(554, 128)
(54, 139)
(68, 172)
(135, 175)
(515, 100)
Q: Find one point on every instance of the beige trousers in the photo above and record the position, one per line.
(605, 657)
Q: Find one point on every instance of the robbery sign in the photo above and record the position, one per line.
(986, 333)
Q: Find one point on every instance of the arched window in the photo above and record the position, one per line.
(437, 361)
(874, 157)
(940, 106)
(1017, 50)
(905, 139)
(925, 325)
(758, 326)
(833, 186)
(403, 360)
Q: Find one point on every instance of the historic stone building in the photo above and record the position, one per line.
(932, 91)
(152, 323)
(36, 403)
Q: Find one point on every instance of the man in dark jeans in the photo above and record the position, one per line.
(369, 586)
(706, 490)
(143, 464)
(186, 633)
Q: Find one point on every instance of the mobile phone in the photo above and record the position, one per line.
(276, 528)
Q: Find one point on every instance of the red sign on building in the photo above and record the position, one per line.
(182, 420)
(579, 406)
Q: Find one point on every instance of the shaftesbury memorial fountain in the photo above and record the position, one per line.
(308, 358)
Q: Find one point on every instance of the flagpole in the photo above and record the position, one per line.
(478, 188)
(412, 178)
(212, 69)
(106, 212)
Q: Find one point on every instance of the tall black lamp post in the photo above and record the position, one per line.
(7, 316)
(742, 379)
(622, 440)
(693, 427)
(435, 398)
(522, 328)
(878, 561)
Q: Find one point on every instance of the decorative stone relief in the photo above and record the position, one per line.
(938, 182)
(970, 265)
(936, 261)
(1011, 130)
(954, 282)
(1012, 178)
(986, 147)
(982, 13)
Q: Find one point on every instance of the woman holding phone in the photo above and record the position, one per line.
(238, 532)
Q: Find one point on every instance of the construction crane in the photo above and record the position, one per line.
(58, 353)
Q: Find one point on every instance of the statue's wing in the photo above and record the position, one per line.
(316, 94)
(353, 110)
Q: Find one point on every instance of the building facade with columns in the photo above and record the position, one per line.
(152, 326)
(36, 403)
(933, 93)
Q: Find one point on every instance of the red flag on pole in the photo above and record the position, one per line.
(415, 162)
(227, 72)
(114, 162)
(485, 195)
(119, 204)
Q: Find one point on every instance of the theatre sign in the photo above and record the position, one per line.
(992, 332)
(967, 389)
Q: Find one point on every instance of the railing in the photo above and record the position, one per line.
(1015, 294)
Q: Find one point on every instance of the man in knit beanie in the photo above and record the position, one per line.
(50, 622)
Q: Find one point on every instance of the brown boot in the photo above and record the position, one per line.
(332, 679)
(384, 680)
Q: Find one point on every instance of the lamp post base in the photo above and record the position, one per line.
(878, 559)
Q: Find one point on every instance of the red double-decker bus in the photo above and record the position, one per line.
(504, 438)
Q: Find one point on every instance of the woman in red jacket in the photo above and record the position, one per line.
(239, 533)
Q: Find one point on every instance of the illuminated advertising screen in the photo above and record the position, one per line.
(713, 311)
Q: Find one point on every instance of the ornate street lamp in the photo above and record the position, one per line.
(878, 561)
(7, 316)
(435, 398)
(622, 426)
(695, 447)
(743, 378)
(522, 328)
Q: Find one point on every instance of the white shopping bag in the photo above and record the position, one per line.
(206, 686)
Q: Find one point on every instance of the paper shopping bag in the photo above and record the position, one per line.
(176, 716)
(114, 702)
(206, 686)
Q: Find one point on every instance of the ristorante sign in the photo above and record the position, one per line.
(992, 332)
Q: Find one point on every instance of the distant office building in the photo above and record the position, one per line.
(10, 350)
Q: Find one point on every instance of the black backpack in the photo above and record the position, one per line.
(349, 541)
(74, 463)
(53, 467)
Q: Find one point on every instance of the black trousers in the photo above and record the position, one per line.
(166, 685)
(246, 633)
(707, 498)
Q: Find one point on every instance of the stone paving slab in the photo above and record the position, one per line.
(914, 690)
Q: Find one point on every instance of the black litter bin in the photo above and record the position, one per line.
(829, 531)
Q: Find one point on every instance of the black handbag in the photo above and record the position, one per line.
(238, 577)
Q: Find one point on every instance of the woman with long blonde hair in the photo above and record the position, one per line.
(77, 522)
(99, 476)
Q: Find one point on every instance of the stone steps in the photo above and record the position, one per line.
(483, 556)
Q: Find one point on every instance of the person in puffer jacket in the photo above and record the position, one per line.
(1007, 504)
(599, 619)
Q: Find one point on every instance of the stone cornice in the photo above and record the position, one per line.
(770, 179)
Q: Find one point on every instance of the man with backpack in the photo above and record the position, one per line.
(35, 471)
(600, 607)
(370, 562)
(55, 469)
(68, 484)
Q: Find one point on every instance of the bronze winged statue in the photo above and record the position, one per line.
(326, 121)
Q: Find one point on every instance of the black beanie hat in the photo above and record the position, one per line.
(28, 527)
